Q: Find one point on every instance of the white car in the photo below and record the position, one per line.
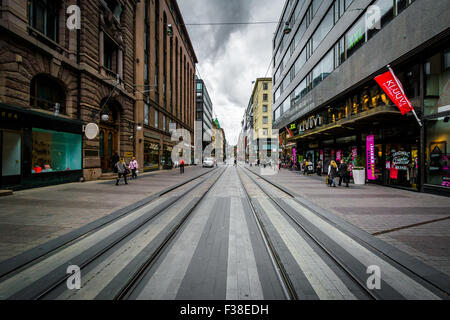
(208, 162)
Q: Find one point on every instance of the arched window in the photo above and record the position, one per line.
(46, 92)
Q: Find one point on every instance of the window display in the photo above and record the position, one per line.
(55, 151)
(151, 155)
(437, 153)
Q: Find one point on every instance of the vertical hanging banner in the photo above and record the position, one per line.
(394, 89)
(370, 149)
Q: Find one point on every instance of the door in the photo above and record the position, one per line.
(11, 157)
(107, 147)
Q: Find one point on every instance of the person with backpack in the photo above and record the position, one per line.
(181, 166)
(122, 170)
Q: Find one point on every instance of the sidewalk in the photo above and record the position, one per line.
(417, 223)
(31, 217)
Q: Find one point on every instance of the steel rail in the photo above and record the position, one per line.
(283, 277)
(371, 246)
(127, 234)
(140, 274)
(19, 262)
(331, 255)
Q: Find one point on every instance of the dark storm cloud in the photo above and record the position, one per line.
(214, 37)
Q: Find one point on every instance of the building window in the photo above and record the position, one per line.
(265, 86)
(43, 16)
(164, 123)
(437, 151)
(55, 151)
(437, 73)
(264, 132)
(265, 120)
(45, 93)
(146, 114)
(265, 97)
(110, 50)
(156, 119)
(265, 108)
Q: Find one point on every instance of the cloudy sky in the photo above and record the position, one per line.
(231, 56)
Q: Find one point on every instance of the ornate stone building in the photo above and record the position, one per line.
(54, 80)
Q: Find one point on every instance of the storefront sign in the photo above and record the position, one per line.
(310, 123)
(370, 148)
(338, 155)
(128, 154)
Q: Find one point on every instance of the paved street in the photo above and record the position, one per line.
(34, 216)
(228, 234)
(416, 223)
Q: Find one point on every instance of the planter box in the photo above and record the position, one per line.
(359, 176)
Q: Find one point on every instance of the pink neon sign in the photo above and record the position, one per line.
(370, 149)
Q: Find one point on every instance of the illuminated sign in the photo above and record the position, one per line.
(310, 123)
(370, 147)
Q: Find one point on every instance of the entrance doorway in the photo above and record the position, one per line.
(107, 147)
(11, 157)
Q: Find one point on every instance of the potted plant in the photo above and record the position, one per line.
(358, 171)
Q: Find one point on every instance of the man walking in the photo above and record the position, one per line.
(181, 166)
(343, 173)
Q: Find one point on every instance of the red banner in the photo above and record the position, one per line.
(393, 88)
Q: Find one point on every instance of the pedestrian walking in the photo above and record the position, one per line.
(235, 162)
(122, 170)
(114, 159)
(343, 173)
(332, 173)
(319, 168)
(181, 166)
(133, 165)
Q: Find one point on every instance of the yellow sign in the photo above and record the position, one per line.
(128, 154)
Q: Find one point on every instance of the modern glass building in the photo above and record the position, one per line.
(203, 112)
(324, 64)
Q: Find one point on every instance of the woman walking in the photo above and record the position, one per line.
(122, 170)
(133, 167)
(332, 173)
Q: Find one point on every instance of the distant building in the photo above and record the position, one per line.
(262, 115)
(203, 113)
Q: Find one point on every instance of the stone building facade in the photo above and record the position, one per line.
(165, 83)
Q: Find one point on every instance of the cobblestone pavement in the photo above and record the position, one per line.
(31, 217)
(417, 223)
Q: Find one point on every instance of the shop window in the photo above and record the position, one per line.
(437, 83)
(437, 151)
(43, 16)
(55, 151)
(151, 155)
(46, 92)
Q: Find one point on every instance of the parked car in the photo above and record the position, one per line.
(208, 162)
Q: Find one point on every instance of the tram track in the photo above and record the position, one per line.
(35, 254)
(318, 238)
(43, 286)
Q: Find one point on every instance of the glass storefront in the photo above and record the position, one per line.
(151, 155)
(402, 165)
(55, 151)
(166, 157)
(437, 152)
